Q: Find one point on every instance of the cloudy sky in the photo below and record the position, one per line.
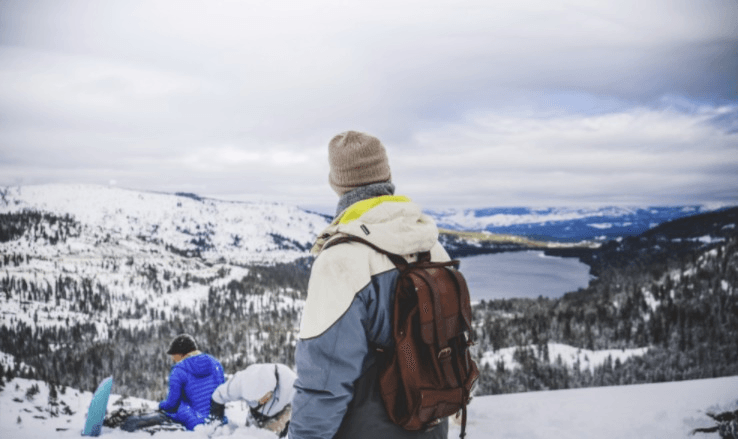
(480, 103)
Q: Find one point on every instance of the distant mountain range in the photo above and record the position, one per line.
(271, 232)
(565, 224)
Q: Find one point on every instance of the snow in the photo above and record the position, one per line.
(467, 219)
(8, 361)
(570, 356)
(34, 417)
(707, 239)
(651, 301)
(664, 410)
(121, 250)
(240, 232)
(596, 217)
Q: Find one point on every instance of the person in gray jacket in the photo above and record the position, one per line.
(348, 311)
(267, 389)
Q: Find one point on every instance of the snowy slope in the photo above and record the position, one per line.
(108, 258)
(648, 411)
(237, 232)
(39, 416)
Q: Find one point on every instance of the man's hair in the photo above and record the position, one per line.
(182, 344)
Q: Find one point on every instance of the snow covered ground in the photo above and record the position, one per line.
(648, 411)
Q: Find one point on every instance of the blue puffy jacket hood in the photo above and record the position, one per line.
(198, 365)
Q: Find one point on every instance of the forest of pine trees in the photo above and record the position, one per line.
(681, 302)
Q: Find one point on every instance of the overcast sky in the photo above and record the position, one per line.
(479, 103)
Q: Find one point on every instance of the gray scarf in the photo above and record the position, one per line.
(364, 193)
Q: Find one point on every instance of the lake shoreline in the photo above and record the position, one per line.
(522, 274)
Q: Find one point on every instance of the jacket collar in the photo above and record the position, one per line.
(190, 354)
(356, 210)
(391, 222)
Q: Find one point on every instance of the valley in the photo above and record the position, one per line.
(95, 281)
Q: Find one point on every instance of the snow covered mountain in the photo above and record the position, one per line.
(33, 410)
(246, 233)
(239, 233)
(564, 224)
(82, 266)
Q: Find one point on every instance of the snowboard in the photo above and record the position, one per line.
(98, 407)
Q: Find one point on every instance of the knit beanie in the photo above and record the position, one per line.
(356, 159)
(182, 344)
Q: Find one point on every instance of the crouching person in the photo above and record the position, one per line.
(192, 381)
(267, 389)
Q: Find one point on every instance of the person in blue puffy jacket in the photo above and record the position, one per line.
(192, 381)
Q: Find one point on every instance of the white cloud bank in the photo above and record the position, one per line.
(640, 156)
(480, 103)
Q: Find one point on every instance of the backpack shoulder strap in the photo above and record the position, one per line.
(396, 259)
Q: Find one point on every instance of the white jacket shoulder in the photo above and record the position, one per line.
(338, 274)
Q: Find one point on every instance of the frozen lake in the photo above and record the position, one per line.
(522, 274)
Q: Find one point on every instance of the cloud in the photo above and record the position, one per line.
(525, 102)
(657, 156)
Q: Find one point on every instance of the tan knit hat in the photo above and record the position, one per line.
(356, 159)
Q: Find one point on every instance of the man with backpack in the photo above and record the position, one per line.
(347, 332)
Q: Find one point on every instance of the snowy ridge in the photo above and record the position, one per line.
(95, 260)
(238, 232)
(31, 410)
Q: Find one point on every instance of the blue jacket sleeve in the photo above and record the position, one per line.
(327, 366)
(176, 387)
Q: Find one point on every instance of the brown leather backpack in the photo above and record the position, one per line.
(429, 374)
